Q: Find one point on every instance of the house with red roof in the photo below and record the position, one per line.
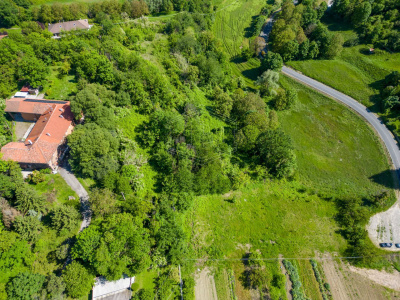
(45, 142)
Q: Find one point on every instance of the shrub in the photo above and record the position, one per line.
(36, 177)
(135, 287)
(327, 286)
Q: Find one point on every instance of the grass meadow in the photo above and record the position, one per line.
(337, 152)
(338, 155)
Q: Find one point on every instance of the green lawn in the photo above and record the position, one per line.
(59, 87)
(337, 153)
(146, 279)
(55, 183)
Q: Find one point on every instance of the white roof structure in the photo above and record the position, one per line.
(112, 290)
(21, 95)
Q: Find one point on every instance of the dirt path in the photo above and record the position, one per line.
(390, 280)
(205, 286)
(288, 285)
(335, 279)
(350, 283)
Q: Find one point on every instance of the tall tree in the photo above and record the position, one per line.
(78, 280)
(25, 286)
(275, 151)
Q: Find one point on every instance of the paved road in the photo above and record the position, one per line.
(267, 29)
(384, 133)
(70, 179)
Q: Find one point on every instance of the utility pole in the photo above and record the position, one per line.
(180, 277)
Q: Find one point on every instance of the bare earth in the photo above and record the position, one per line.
(350, 283)
(205, 286)
(384, 227)
(390, 280)
(288, 285)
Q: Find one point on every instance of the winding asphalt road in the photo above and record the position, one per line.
(386, 136)
(384, 133)
(383, 227)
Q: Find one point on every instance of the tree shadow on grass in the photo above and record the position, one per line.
(251, 74)
(248, 31)
(386, 178)
(245, 276)
(336, 24)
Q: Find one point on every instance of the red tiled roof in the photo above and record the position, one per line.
(25, 88)
(30, 106)
(47, 134)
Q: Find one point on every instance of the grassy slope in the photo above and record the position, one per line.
(353, 72)
(337, 153)
(230, 26)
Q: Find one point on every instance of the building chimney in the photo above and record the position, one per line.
(30, 142)
(48, 134)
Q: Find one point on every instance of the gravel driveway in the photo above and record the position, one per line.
(76, 186)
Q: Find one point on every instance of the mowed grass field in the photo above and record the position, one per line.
(354, 72)
(230, 26)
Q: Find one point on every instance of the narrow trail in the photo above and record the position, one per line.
(383, 227)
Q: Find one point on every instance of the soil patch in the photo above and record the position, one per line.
(288, 285)
(205, 286)
(347, 283)
(390, 280)
(384, 227)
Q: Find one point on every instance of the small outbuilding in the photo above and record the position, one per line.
(113, 290)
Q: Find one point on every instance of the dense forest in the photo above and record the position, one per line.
(204, 132)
